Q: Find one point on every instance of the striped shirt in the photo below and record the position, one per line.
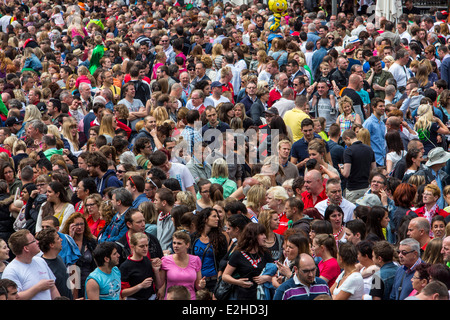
(293, 289)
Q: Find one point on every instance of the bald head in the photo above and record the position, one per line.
(314, 182)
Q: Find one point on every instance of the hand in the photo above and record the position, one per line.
(34, 194)
(245, 283)
(202, 283)
(262, 279)
(147, 283)
(45, 284)
(383, 197)
(156, 263)
(284, 270)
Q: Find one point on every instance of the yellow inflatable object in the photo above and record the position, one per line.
(278, 7)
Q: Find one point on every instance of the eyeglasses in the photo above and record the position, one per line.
(79, 225)
(30, 242)
(404, 252)
(120, 171)
(40, 185)
(378, 182)
(90, 204)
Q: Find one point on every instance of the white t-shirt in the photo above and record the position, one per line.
(394, 157)
(27, 275)
(221, 99)
(401, 75)
(354, 285)
(182, 174)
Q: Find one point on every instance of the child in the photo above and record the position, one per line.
(324, 75)
(319, 124)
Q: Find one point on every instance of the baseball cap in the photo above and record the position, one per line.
(216, 84)
(273, 111)
(13, 120)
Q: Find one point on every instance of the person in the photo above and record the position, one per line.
(324, 246)
(121, 202)
(383, 279)
(104, 283)
(304, 285)
(248, 261)
(333, 190)
(420, 279)
(297, 219)
(404, 196)
(30, 272)
(209, 244)
(95, 222)
(140, 276)
(315, 189)
(4, 255)
(276, 197)
(355, 231)
(349, 285)
(10, 288)
(178, 293)
(359, 160)
(164, 202)
(204, 199)
(430, 208)
(136, 185)
(50, 244)
(438, 224)
(220, 175)
(335, 215)
(77, 228)
(97, 165)
(274, 241)
(365, 264)
(181, 268)
(377, 222)
(86, 187)
(434, 290)
(57, 204)
(347, 115)
(419, 229)
(409, 258)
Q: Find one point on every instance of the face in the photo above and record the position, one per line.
(275, 221)
(336, 219)
(261, 239)
(385, 221)
(313, 154)
(52, 196)
(377, 184)
(284, 150)
(204, 191)
(351, 237)
(334, 193)
(180, 246)
(32, 245)
(4, 251)
(9, 174)
(438, 229)
(445, 251)
(211, 115)
(271, 202)
(406, 256)
(311, 183)
(428, 197)
(213, 220)
(308, 132)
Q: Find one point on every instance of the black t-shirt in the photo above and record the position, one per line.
(134, 272)
(360, 156)
(60, 271)
(358, 104)
(244, 269)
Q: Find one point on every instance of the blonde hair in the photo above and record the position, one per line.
(425, 120)
(67, 134)
(256, 195)
(135, 237)
(106, 126)
(219, 169)
(278, 193)
(363, 135)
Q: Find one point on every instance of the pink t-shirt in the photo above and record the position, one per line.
(329, 269)
(181, 276)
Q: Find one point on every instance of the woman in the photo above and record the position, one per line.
(430, 208)
(209, 244)
(335, 215)
(239, 112)
(256, 199)
(7, 173)
(70, 133)
(217, 56)
(413, 159)
(86, 187)
(108, 127)
(274, 242)
(262, 58)
(4, 255)
(57, 204)
(420, 279)
(324, 247)
(148, 209)
(239, 63)
(428, 127)
(160, 60)
(432, 253)
(140, 276)
(317, 151)
(247, 262)
(347, 117)
(259, 106)
(92, 204)
(77, 228)
(350, 284)
(395, 147)
(181, 268)
(377, 222)
(438, 227)
(219, 174)
(278, 52)
(203, 198)
(294, 245)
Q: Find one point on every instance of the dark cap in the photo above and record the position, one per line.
(272, 110)
(216, 84)
(13, 120)
(42, 107)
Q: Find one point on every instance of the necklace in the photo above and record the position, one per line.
(254, 262)
(336, 235)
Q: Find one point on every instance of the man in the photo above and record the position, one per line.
(377, 130)
(383, 279)
(409, 258)
(11, 289)
(164, 202)
(5, 132)
(250, 98)
(293, 70)
(281, 82)
(354, 85)
(323, 106)
(293, 208)
(49, 146)
(104, 283)
(289, 169)
(398, 69)
(419, 229)
(122, 200)
(379, 78)
(299, 151)
(136, 108)
(402, 30)
(334, 196)
(445, 251)
(315, 189)
(15, 126)
(341, 75)
(168, 49)
(136, 185)
(33, 276)
(213, 127)
(200, 72)
(50, 244)
(444, 55)
(359, 160)
(216, 96)
(304, 285)
(135, 222)
(269, 73)
(336, 149)
(97, 165)
(108, 82)
(185, 86)
(197, 100)
(230, 76)
(190, 134)
(355, 231)
(286, 102)
(294, 117)
(197, 165)
(36, 131)
(434, 290)
(173, 170)
(389, 34)
(149, 131)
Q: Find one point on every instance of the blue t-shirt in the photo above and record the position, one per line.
(208, 266)
(109, 284)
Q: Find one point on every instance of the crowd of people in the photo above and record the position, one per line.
(178, 150)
